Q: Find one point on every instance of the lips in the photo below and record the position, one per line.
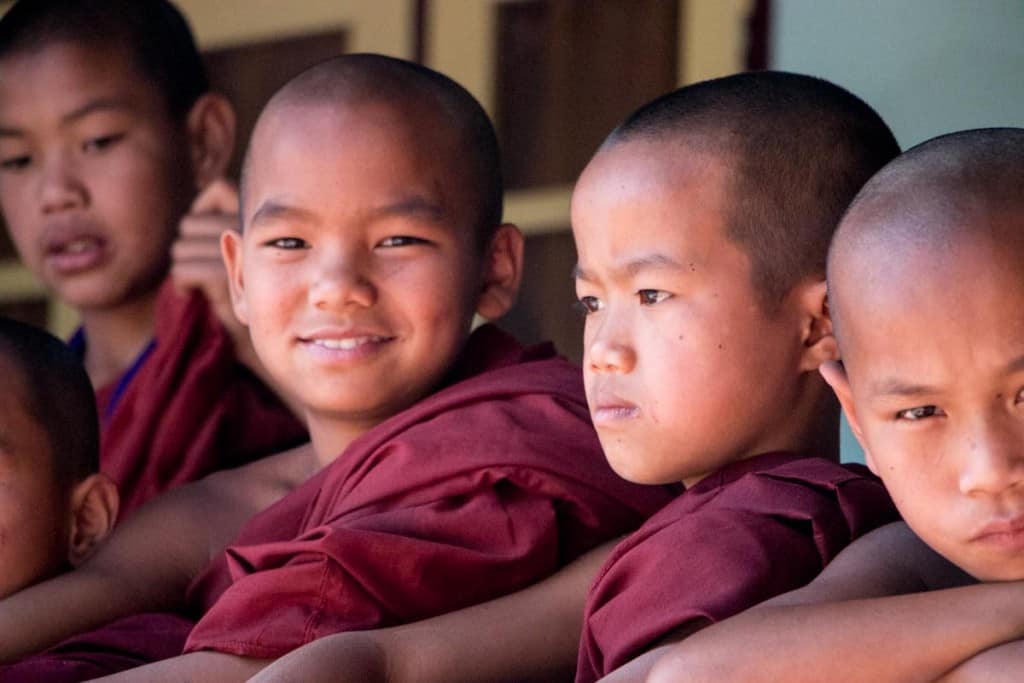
(610, 409)
(1007, 532)
(338, 344)
(73, 248)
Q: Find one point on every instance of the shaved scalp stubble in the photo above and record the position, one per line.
(964, 186)
(799, 148)
(57, 394)
(367, 78)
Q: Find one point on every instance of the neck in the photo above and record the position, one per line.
(116, 336)
(817, 412)
(331, 436)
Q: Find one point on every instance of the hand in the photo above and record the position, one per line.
(195, 256)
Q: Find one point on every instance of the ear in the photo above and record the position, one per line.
(231, 251)
(835, 374)
(94, 507)
(211, 134)
(501, 272)
(819, 344)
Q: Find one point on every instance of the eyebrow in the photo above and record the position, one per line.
(893, 386)
(416, 206)
(270, 211)
(91, 107)
(633, 266)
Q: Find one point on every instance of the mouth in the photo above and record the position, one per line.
(1008, 533)
(340, 346)
(73, 251)
(608, 410)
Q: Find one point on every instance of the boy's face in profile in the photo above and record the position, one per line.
(94, 175)
(934, 386)
(32, 517)
(358, 273)
(684, 370)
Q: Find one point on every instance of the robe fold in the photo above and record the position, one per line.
(748, 532)
(189, 408)
(478, 490)
(123, 644)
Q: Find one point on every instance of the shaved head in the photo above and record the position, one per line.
(798, 148)
(442, 108)
(57, 393)
(955, 195)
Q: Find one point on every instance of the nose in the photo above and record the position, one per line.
(993, 458)
(60, 188)
(340, 281)
(608, 348)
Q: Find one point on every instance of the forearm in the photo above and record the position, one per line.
(531, 635)
(196, 667)
(916, 637)
(1000, 664)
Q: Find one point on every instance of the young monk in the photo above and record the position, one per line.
(925, 288)
(449, 468)
(107, 131)
(702, 226)
(55, 507)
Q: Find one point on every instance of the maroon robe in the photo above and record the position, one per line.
(189, 409)
(748, 532)
(124, 644)
(484, 487)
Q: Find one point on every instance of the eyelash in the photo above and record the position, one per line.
(648, 297)
(98, 144)
(16, 163)
(287, 243)
(401, 241)
(919, 413)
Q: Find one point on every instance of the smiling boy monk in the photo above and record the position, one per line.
(926, 288)
(107, 131)
(450, 468)
(701, 226)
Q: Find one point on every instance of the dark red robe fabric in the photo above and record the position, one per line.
(190, 409)
(124, 644)
(480, 489)
(750, 531)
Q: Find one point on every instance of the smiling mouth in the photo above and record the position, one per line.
(347, 344)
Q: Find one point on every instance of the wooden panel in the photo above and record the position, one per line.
(545, 309)
(568, 71)
(249, 74)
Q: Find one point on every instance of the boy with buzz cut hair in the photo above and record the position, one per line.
(702, 226)
(450, 467)
(107, 131)
(55, 506)
(925, 285)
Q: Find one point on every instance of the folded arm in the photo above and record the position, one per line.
(531, 635)
(858, 622)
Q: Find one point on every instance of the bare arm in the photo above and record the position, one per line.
(148, 562)
(531, 635)
(194, 667)
(842, 625)
(1000, 664)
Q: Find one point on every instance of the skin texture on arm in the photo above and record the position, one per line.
(856, 622)
(1000, 664)
(148, 562)
(531, 635)
(194, 667)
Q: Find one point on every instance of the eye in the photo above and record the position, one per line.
(100, 143)
(588, 304)
(919, 413)
(1019, 398)
(16, 163)
(401, 241)
(287, 243)
(649, 297)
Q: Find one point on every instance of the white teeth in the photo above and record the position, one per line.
(345, 344)
(78, 246)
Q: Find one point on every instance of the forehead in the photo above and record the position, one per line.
(948, 310)
(330, 156)
(62, 76)
(639, 193)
